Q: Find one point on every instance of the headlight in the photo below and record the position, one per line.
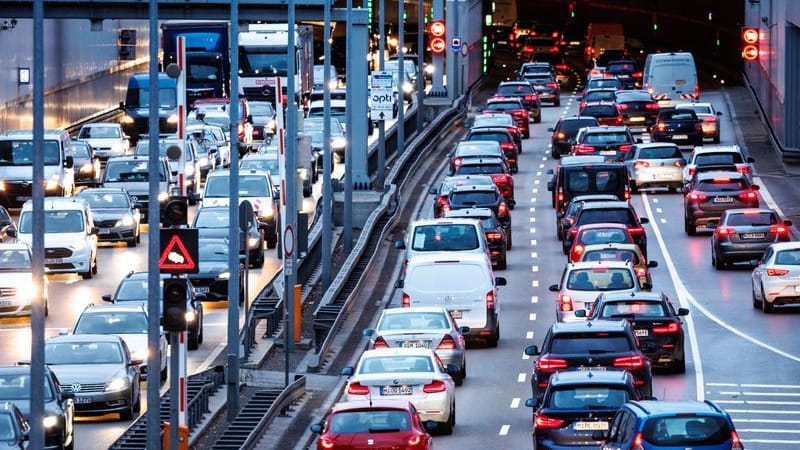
(50, 421)
(142, 354)
(204, 161)
(2, 185)
(407, 87)
(224, 275)
(117, 384)
(190, 316)
(333, 84)
(338, 142)
(303, 173)
(162, 197)
(173, 119)
(52, 184)
(429, 69)
(252, 242)
(126, 221)
(118, 148)
(189, 170)
(25, 291)
(87, 167)
(128, 119)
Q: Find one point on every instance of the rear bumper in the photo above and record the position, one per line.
(741, 251)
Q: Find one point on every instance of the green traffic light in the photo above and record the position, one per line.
(655, 26)
(572, 14)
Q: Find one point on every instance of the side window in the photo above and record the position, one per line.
(767, 255)
(626, 427)
(613, 433)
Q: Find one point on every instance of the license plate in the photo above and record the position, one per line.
(753, 235)
(23, 198)
(608, 152)
(641, 332)
(53, 260)
(797, 288)
(723, 199)
(623, 76)
(680, 136)
(396, 390)
(680, 82)
(456, 314)
(202, 289)
(637, 119)
(593, 426)
(105, 230)
(663, 176)
(5, 304)
(416, 344)
(597, 368)
(83, 400)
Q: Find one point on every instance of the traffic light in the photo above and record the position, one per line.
(437, 30)
(750, 38)
(176, 213)
(174, 304)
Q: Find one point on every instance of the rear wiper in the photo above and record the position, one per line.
(384, 430)
(599, 351)
(622, 316)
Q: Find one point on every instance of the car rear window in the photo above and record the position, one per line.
(606, 215)
(696, 108)
(514, 89)
(572, 126)
(490, 136)
(538, 79)
(502, 106)
(604, 181)
(468, 198)
(754, 220)
(487, 121)
(414, 321)
(634, 97)
(396, 364)
(372, 421)
(626, 67)
(612, 255)
(678, 114)
(660, 153)
(588, 397)
(603, 236)
(788, 257)
(598, 96)
(479, 151)
(444, 237)
(628, 307)
(480, 169)
(582, 343)
(604, 83)
(452, 278)
(686, 431)
(599, 111)
(721, 185)
(607, 138)
(600, 279)
(706, 159)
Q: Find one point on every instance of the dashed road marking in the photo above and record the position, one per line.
(533, 219)
(535, 283)
(532, 230)
(522, 377)
(533, 242)
(515, 403)
(529, 335)
(534, 299)
(534, 254)
(538, 174)
(663, 220)
(658, 210)
(532, 316)
(504, 430)
(534, 268)
(536, 181)
(532, 209)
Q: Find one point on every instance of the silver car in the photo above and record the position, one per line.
(655, 165)
(776, 279)
(422, 327)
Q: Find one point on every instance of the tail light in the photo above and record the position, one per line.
(743, 169)
(577, 251)
(554, 49)
(494, 236)
(527, 49)
(357, 388)
(661, 126)
(641, 272)
(749, 196)
(640, 164)
(637, 442)
(325, 442)
(637, 75)
(698, 127)
(677, 163)
(709, 119)
(565, 303)
(618, 120)
(511, 37)
(627, 194)
(622, 107)
(635, 231)
(736, 443)
(696, 91)
(490, 300)
(500, 180)
(549, 364)
(629, 362)
(240, 129)
(625, 147)
(508, 146)
(414, 440)
(724, 231)
(434, 387)
(777, 272)
(582, 149)
(552, 85)
(457, 162)
(780, 230)
(672, 328)
(651, 106)
(544, 422)
(530, 98)
(560, 195)
(442, 201)
(561, 136)
(502, 210)
(581, 104)
(446, 207)
(447, 343)
(406, 300)
(691, 171)
(380, 343)
(561, 66)
(696, 197)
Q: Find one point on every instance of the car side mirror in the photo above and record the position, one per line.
(639, 141)
(433, 191)
(683, 311)
(550, 186)
(500, 281)
(137, 205)
(463, 330)
(69, 161)
(136, 362)
(580, 313)
(400, 244)
(599, 435)
(553, 288)
(106, 298)
(787, 223)
(531, 350)
(94, 230)
(644, 220)
(719, 113)
(11, 233)
(551, 129)
(399, 284)
(316, 428)
(368, 332)
(479, 110)
(449, 173)
(348, 371)
(532, 402)
(755, 187)
(750, 159)
(550, 171)
(121, 105)
(67, 395)
(652, 264)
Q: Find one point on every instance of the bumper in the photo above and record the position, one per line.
(669, 177)
(782, 292)
(14, 307)
(542, 443)
(80, 261)
(490, 327)
(102, 402)
(497, 252)
(741, 251)
(116, 234)
(665, 356)
(695, 138)
(549, 96)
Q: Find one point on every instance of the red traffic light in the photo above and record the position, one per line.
(437, 28)
(750, 52)
(750, 35)
(438, 45)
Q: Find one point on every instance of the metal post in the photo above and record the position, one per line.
(382, 123)
(347, 232)
(420, 64)
(358, 93)
(178, 393)
(233, 215)
(153, 238)
(174, 387)
(437, 86)
(281, 130)
(37, 307)
(401, 42)
(289, 236)
(327, 157)
(451, 25)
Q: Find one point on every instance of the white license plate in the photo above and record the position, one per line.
(23, 198)
(680, 136)
(396, 390)
(53, 260)
(455, 314)
(608, 152)
(593, 426)
(641, 332)
(623, 76)
(797, 288)
(663, 176)
(637, 119)
(203, 289)
(5, 304)
(723, 199)
(105, 230)
(83, 400)
(753, 236)
(416, 344)
(597, 368)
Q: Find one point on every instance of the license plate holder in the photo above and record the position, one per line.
(5, 304)
(753, 235)
(797, 289)
(588, 368)
(105, 230)
(416, 344)
(608, 152)
(53, 260)
(81, 400)
(396, 390)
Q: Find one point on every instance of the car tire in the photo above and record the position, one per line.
(716, 139)
(71, 445)
(502, 263)
(137, 406)
(131, 243)
(537, 119)
(138, 238)
(718, 262)
(495, 338)
(88, 274)
(557, 102)
(463, 373)
(554, 153)
(127, 413)
(164, 372)
(446, 428)
(515, 169)
(756, 302)
(527, 135)
(272, 241)
(193, 340)
(46, 308)
(679, 365)
(306, 192)
(766, 306)
(508, 240)
(94, 266)
(690, 228)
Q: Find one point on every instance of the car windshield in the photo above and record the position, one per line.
(80, 150)
(215, 253)
(17, 386)
(20, 153)
(579, 181)
(112, 323)
(371, 421)
(491, 136)
(678, 115)
(262, 61)
(249, 186)
(605, 215)
(668, 152)
(620, 67)
(603, 236)
(261, 164)
(90, 132)
(131, 171)
(607, 138)
(261, 109)
(211, 218)
(414, 321)
(632, 307)
(758, 219)
(788, 257)
(475, 169)
(582, 343)
(698, 109)
(612, 255)
(105, 200)
(55, 221)
(599, 96)
(447, 278)
(444, 237)
(80, 353)
(604, 83)
(588, 397)
(483, 150)
(132, 290)
(493, 121)
(623, 97)
(686, 430)
(721, 185)
(467, 198)
(15, 260)
(706, 159)
(396, 364)
(514, 89)
(600, 279)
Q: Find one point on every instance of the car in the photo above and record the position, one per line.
(546, 86)
(17, 286)
(132, 173)
(244, 124)
(589, 345)
(565, 130)
(430, 327)
(480, 196)
(708, 116)
(524, 91)
(495, 233)
(59, 406)
(710, 194)
(625, 71)
(126, 321)
(263, 162)
(132, 290)
(107, 139)
(584, 175)
(713, 155)
(531, 68)
(442, 236)
(338, 143)
(497, 169)
(263, 116)
(220, 120)
(441, 203)
(745, 234)
(213, 222)
(384, 423)
(611, 212)
(115, 216)
(680, 126)
(565, 220)
(652, 424)
(475, 149)
(658, 164)
(416, 374)
(14, 428)
(8, 229)
(338, 111)
(491, 120)
(99, 371)
(501, 136)
(656, 323)
(191, 165)
(211, 280)
(582, 282)
(599, 95)
(213, 149)
(254, 186)
(70, 237)
(604, 58)
(578, 402)
(86, 164)
(621, 252)
(512, 106)
(593, 234)
(611, 142)
(774, 280)
(605, 112)
(536, 43)
(638, 109)
(602, 82)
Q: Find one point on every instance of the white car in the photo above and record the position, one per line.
(718, 155)
(16, 281)
(776, 279)
(582, 282)
(443, 236)
(107, 139)
(413, 374)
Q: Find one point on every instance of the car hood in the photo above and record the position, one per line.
(85, 373)
(25, 173)
(15, 278)
(108, 213)
(55, 239)
(103, 142)
(136, 342)
(212, 268)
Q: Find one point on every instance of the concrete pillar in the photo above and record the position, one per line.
(357, 92)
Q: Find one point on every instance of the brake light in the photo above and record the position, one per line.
(661, 126)
(618, 121)
(494, 236)
(696, 91)
(414, 440)
(552, 85)
(490, 300)
(560, 195)
(357, 388)
(500, 180)
(629, 362)
(527, 49)
(743, 169)
(698, 127)
(637, 442)
(723, 231)
(577, 251)
(627, 192)
(545, 422)
(640, 164)
(678, 164)
(625, 147)
(635, 231)
(406, 300)
(502, 210)
(434, 386)
(651, 106)
(777, 272)
(641, 271)
(380, 343)
(778, 229)
(561, 136)
(554, 49)
(709, 119)
(673, 327)
(457, 162)
(696, 197)
(508, 146)
(561, 66)
(445, 207)
(581, 104)
(736, 443)
(565, 303)
(691, 171)
(749, 196)
(582, 149)
(530, 98)
(326, 442)
(447, 343)
(549, 364)
(442, 201)
(622, 107)
(240, 129)
(637, 74)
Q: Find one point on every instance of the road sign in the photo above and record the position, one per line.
(381, 95)
(455, 44)
(179, 251)
(288, 241)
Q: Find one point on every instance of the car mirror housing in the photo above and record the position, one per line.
(398, 284)
(348, 371)
(644, 220)
(399, 244)
(500, 281)
(580, 313)
(553, 288)
(532, 350)
(316, 428)
(652, 264)
(683, 311)
(368, 332)
(532, 402)
(136, 362)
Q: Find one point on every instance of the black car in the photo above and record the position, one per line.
(610, 212)
(503, 137)
(442, 193)
(494, 230)
(745, 234)
(565, 220)
(598, 95)
(14, 428)
(626, 73)
(565, 130)
(604, 111)
(115, 216)
(609, 142)
(474, 196)
(584, 345)
(638, 109)
(212, 222)
(263, 116)
(546, 86)
(584, 175)
(212, 280)
(86, 164)
(133, 288)
(576, 404)
(524, 91)
(656, 324)
(680, 126)
(15, 387)
(709, 194)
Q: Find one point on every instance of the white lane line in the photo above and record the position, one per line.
(655, 200)
(522, 377)
(544, 158)
(538, 181)
(658, 210)
(524, 356)
(739, 420)
(529, 335)
(504, 430)
(532, 230)
(535, 283)
(761, 411)
(533, 242)
(538, 174)
(766, 430)
(756, 402)
(515, 403)
(534, 268)
(533, 199)
(535, 299)
(532, 219)
(532, 209)
(765, 394)
(532, 316)
(722, 384)
(663, 220)
(541, 166)
(535, 190)
(534, 254)
(766, 196)
(769, 441)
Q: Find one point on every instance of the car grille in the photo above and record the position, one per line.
(8, 291)
(60, 266)
(8, 309)
(84, 388)
(105, 223)
(57, 252)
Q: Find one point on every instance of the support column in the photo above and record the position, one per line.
(437, 88)
(358, 95)
(451, 24)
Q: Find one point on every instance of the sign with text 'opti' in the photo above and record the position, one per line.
(381, 95)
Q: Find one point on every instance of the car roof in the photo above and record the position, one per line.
(504, 99)
(581, 159)
(469, 212)
(377, 403)
(785, 246)
(571, 118)
(592, 264)
(427, 258)
(486, 179)
(594, 198)
(143, 276)
(443, 221)
(581, 377)
(397, 351)
(588, 326)
(488, 129)
(512, 83)
(607, 205)
(716, 148)
(594, 226)
(656, 145)
(85, 338)
(28, 134)
(638, 296)
(414, 309)
(690, 104)
(668, 407)
(605, 129)
(108, 190)
(71, 203)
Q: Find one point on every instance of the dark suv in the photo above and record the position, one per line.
(609, 142)
(577, 403)
(524, 91)
(626, 73)
(610, 212)
(473, 196)
(656, 324)
(565, 130)
(583, 345)
(745, 234)
(546, 86)
(583, 175)
(710, 194)
(638, 109)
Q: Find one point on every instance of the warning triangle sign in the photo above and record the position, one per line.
(179, 252)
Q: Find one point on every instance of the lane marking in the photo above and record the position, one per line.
(535, 299)
(529, 335)
(533, 242)
(762, 411)
(658, 210)
(756, 402)
(535, 283)
(535, 190)
(663, 220)
(538, 174)
(532, 209)
(767, 197)
(504, 430)
(532, 219)
(534, 254)
(536, 181)
(522, 377)
(541, 166)
(532, 230)
(766, 394)
(515, 403)
(768, 421)
(532, 316)
(534, 268)
(211, 357)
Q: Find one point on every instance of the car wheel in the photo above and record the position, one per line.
(259, 261)
(88, 274)
(766, 306)
(137, 407)
(690, 228)
(502, 263)
(495, 338)
(307, 192)
(131, 243)
(557, 103)
(508, 240)
(464, 370)
(716, 139)
(679, 365)
(559, 233)
(127, 413)
(538, 119)
(527, 135)
(94, 266)
(446, 428)
(719, 262)
(138, 238)
(272, 241)
(164, 372)
(515, 169)
(634, 188)
(194, 340)
(756, 302)
(46, 308)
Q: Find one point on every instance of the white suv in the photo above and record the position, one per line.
(444, 236)
(718, 155)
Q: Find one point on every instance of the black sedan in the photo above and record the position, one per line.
(565, 131)
(211, 282)
(745, 234)
(680, 126)
(86, 164)
(116, 217)
(212, 222)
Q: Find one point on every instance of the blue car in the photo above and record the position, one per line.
(670, 425)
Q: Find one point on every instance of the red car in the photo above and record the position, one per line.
(374, 424)
(596, 233)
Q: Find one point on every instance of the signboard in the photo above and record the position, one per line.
(455, 44)
(381, 96)
(178, 250)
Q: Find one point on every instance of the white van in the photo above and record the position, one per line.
(670, 77)
(463, 283)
